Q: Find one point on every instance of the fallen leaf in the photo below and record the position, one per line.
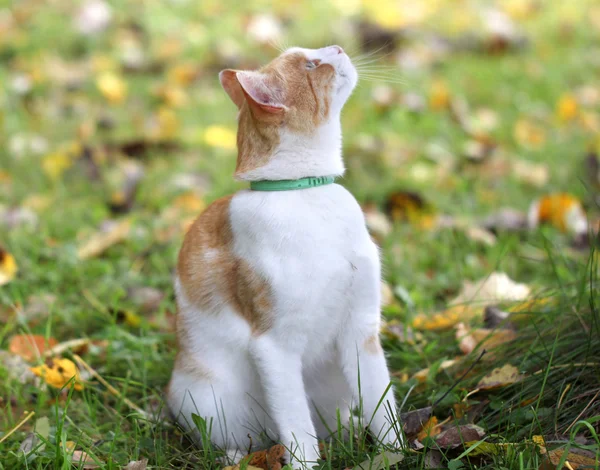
(8, 267)
(265, 28)
(270, 459)
(137, 465)
(406, 206)
(500, 377)
(561, 210)
(112, 87)
(567, 107)
(446, 319)
(469, 339)
(496, 287)
(455, 436)
(439, 95)
(414, 421)
(81, 459)
(430, 429)
(59, 373)
(30, 347)
(102, 241)
(220, 137)
(56, 163)
(534, 174)
(93, 17)
(528, 134)
(126, 316)
(382, 461)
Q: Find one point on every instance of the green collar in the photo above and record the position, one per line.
(289, 185)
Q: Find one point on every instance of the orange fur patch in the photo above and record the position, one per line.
(307, 97)
(212, 276)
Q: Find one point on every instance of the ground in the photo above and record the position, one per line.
(115, 134)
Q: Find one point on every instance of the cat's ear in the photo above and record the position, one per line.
(230, 84)
(263, 99)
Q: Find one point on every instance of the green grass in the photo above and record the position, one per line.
(558, 340)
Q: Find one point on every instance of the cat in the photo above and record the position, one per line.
(278, 291)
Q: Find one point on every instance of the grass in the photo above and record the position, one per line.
(387, 148)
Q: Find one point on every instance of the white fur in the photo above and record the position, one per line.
(314, 250)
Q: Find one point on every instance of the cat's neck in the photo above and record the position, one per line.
(299, 156)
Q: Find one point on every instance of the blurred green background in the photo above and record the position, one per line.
(115, 134)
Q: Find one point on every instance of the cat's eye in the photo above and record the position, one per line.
(311, 64)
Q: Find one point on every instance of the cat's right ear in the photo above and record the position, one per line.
(232, 86)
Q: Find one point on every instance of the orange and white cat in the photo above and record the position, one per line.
(278, 292)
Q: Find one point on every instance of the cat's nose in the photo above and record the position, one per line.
(337, 49)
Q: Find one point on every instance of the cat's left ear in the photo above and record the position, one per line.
(264, 100)
(230, 84)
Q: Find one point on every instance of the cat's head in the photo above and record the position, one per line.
(294, 97)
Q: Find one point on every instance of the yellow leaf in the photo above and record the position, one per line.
(445, 320)
(59, 373)
(168, 124)
(562, 210)
(439, 95)
(8, 267)
(500, 377)
(190, 202)
(112, 87)
(430, 429)
(529, 134)
(172, 95)
(100, 242)
(567, 108)
(221, 137)
(70, 446)
(56, 163)
(183, 74)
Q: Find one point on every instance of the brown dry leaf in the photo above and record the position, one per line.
(457, 435)
(102, 241)
(8, 267)
(82, 460)
(500, 377)
(430, 429)
(470, 339)
(59, 373)
(563, 211)
(30, 347)
(413, 421)
(271, 459)
(574, 460)
(446, 319)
